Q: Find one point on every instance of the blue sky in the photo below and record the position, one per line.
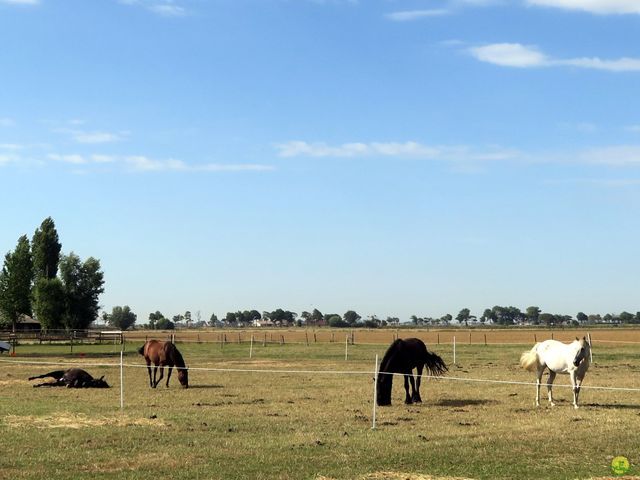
(395, 157)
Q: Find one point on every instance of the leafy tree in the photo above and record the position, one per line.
(446, 319)
(547, 318)
(165, 324)
(46, 250)
(464, 316)
(488, 315)
(626, 317)
(230, 318)
(316, 317)
(187, 318)
(336, 321)
(532, 313)
(213, 320)
(393, 321)
(415, 320)
(154, 318)
(351, 317)
(582, 317)
(49, 302)
(121, 317)
(15, 283)
(306, 317)
(82, 284)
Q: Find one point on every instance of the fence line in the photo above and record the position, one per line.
(324, 372)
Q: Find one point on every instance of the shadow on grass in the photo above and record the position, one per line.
(464, 402)
(612, 406)
(205, 386)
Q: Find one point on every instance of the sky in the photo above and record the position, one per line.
(395, 157)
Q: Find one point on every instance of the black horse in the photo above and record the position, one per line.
(402, 357)
(71, 378)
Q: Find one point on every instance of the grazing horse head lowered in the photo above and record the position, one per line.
(401, 358)
(163, 354)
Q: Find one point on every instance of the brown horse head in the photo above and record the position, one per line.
(183, 377)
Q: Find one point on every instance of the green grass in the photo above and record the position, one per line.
(302, 426)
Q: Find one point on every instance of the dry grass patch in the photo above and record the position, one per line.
(398, 476)
(138, 462)
(76, 421)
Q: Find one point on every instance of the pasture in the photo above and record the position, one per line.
(258, 421)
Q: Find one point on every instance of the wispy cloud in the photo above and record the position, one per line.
(140, 163)
(297, 148)
(92, 137)
(164, 8)
(517, 55)
(410, 15)
(601, 7)
(20, 2)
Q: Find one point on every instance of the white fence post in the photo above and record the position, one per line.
(121, 380)
(375, 389)
(346, 347)
(454, 349)
(590, 348)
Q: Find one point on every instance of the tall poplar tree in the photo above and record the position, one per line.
(15, 283)
(48, 293)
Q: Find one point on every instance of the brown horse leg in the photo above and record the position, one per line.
(149, 371)
(161, 375)
(170, 368)
(416, 393)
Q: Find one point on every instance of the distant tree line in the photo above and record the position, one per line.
(37, 280)
(533, 315)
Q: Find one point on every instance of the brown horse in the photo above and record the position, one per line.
(163, 354)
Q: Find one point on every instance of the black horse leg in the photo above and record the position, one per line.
(58, 383)
(57, 374)
(416, 392)
(155, 374)
(408, 377)
(170, 368)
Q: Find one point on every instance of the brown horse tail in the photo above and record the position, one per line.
(435, 364)
(141, 350)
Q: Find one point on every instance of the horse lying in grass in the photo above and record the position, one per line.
(71, 378)
(558, 357)
(402, 357)
(163, 354)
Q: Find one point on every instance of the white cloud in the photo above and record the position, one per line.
(613, 156)
(20, 2)
(73, 159)
(96, 137)
(527, 56)
(168, 10)
(601, 7)
(141, 163)
(415, 150)
(510, 55)
(409, 15)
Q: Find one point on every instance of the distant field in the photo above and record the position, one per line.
(270, 424)
(385, 336)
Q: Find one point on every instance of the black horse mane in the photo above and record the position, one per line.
(387, 364)
(179, 360)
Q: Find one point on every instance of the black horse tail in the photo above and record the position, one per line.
(141, 350)
(435, 364)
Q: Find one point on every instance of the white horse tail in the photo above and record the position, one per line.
(529, 360)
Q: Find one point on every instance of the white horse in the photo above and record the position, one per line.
(558, 357)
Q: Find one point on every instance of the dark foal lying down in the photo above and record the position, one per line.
(71, 378)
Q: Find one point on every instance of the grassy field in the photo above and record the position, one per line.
(275, 425)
